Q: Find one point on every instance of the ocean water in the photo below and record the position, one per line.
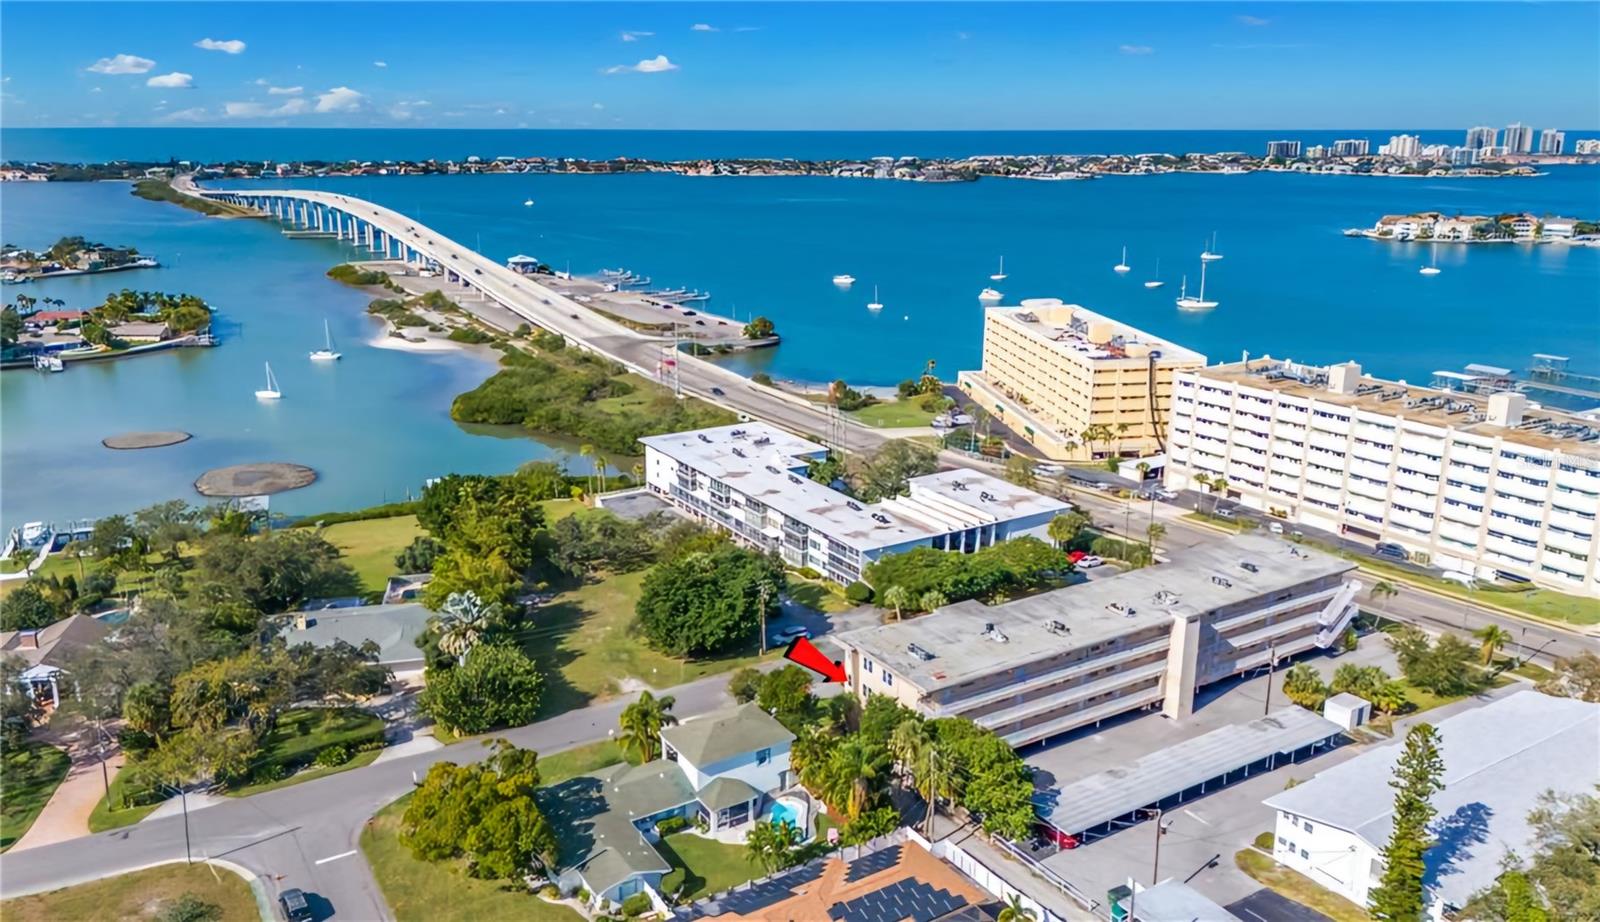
(376, 424)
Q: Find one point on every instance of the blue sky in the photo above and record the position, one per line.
(801, 66)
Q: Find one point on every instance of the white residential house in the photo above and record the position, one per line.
(1558, 227)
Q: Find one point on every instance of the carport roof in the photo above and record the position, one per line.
(1116, 792)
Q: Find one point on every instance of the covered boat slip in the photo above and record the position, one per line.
(1104, 802)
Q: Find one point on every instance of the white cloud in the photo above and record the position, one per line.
(177, 80)
(1135, 49)
(1252, 20)
(94, 89)
(412, 103)
(285, 90)
(702, 27)
(401, 113)
(228, 46)
(339, 99)
(185, 115)
(748, 29)
(599, 105)
(122, 64)
(259, 110)
(635, 35)
(380, 63)
(654, 65)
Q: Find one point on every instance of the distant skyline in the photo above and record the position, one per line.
(785, 66)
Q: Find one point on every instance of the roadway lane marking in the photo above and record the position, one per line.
(1197, 816)
(335, 857)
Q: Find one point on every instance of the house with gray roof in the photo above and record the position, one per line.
(1499, 760)
(717, 770)
(394, 629)
(46, 649)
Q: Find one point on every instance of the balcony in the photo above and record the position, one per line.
(1290, 414)
(1428, 445)
(1560, 518)
(1455, 531)
(1049, 677)
(1373, 453)
(1056, 700)
(1361, 467)
(1467, 475)
(1568, 542)
(1405, 518)
(1416, 482)
(1072, 721)
(1334, 443)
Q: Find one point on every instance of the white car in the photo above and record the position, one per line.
(792, 632)
(1276, 528)
(1089, 562)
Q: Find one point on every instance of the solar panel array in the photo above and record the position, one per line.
(901, 900)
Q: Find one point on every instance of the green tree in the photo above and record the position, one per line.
(708, 602)
(419, 555)
(465, 622)
(886, 473)
(745, 684)
(1303, 686)
(772, 845)
(113, 540)
(1019, 470)
(759, 328)
(1014, 911)
(273, 572)
(641, 724)
(897, 598)
(1418, 775)
(1065, 528)
(10, 325)
(486, 813)
(916, 748)
(931, 600)
(147, 708)
(19, 709)
(1155, 531)
(497, 687)
(1383, 589)
(26, 608)
(1575, 677)
(166, 527)
(460, 572)
(1491, 637)
(786, 694)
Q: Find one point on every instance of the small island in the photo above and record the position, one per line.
(68, 256)
(1513, 227)
(41, 333)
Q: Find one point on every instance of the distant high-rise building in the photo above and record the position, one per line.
(1351, 147)
(1480, 137)
(1316, 152)
(1588, 146)
(1552, 141)
(1402, 146)
(1519, 139)
(1288, 150)
(1464, 156)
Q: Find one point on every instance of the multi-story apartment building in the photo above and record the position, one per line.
(1587, 146)
(1316, 152)
(1518, 139)
(1054, 371)
(1402, 146)
(1481, 485)
(1481, 137)
(1351, 147)
(1552, 141)
(1288, 150)
(750, 481)
(1045, 665)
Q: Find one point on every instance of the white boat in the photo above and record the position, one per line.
(1210, 254)
(1122, 267)
(527, 203)
(1001, 275)
(990, 296)
(270, 392)
(1433, 267)
(1156, 282)
(1197, 303)
(844, 281)
(326, 353)
(875, 304)
(51, 363)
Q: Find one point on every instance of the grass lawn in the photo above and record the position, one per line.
(702, 866)
(370, 546)
(422, 890)
(103, 817)
(895, 414)
(1218, 521)
(1298, 887)
(139, 895)
(302, 733)
(818, 596)
(557, 509)
(584, 643)
(29, 774)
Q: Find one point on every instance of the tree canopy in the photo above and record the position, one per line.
(707, 602)
(485, 813)
(1015, 564)
(498, 686)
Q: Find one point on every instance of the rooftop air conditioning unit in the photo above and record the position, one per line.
(919, 652)
(1057, 627)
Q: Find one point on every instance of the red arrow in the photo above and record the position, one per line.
(802, 653)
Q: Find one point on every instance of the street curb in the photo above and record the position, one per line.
(1583, 631)
(258, 887)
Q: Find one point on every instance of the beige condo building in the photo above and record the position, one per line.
(1053, 371)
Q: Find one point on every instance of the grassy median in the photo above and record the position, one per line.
(140, 895)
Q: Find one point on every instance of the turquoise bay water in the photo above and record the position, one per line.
(374, 424)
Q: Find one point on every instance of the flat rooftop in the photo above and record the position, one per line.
(1088, 613)
(767, 464)
(1428, 405)
(1074, 328)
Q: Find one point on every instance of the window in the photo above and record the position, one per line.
(1305, 854)
(887, 678)
(1308, 827)
(866, 665)
(763, 756)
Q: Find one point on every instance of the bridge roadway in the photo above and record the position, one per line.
(386, 231)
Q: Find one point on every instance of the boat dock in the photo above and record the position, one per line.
(670, 313)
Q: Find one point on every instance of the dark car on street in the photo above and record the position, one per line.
(295, 906)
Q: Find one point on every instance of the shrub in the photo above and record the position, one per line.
(387, 510)
(671, 825)
(269, 773)
(332, 756)
(858, 592)
(550, 892)
(190, 908)
(635, 905)
(745, 684)
(809, 573)
(355, 275)
(470, 335)
(762, 378)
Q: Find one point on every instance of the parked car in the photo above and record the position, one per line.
(1089, 562)
(717, 392)
(1390, 549)
(1226, 514)
(1276, 528)
(294, 905)
(1463, 579)
(792, 632)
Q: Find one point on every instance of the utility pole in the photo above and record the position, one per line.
(1161, 830)
(1272, 662)
(766, 590)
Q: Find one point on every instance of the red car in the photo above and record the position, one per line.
(1056, 837)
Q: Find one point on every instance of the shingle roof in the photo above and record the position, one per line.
(726, 791)
(394, 628)
(595, 814)
(54, 640)
(723, 734)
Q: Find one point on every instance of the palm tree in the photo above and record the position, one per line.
(600, 468)
(906, 744)
(464, 622)
(1304, 686)
(1491, 637)
(641, 724)
(588, 451)
(857, 763)
(772, 845)
(1122, 433)
(1065, 528)
(932, 599)
(1389, 698)
(1156, 531)
(1201, 480)
(897, 598)
(1014, 911)
(1219, 490)
(1383, 588)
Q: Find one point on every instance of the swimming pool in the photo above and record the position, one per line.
(791, 811)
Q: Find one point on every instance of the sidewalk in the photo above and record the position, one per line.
(66, 816)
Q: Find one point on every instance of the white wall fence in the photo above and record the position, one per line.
(997, 884)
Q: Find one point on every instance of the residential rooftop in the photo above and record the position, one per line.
(49, 644)
(1454, 406)
(960, 647)
(1073, 328)
(710, 738)
(1498, 760)
(394, 628)
(769, 465)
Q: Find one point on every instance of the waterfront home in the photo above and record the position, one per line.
(40, 320)
(392, 630)
(1523, 226)
(717, 772)
(46, 649)
(1458, 228)
(1560, 228)
(137, 331)
(1406, 226)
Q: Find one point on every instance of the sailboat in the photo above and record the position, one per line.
(270, 392)
(527, 203)
(326, 353)
(1433, 267)
(1123, 266)
(844, 281)
(1198, 303)
(1156, 282)
(875, 304)
(1000, 276)
(1210, 254)
(990, 296)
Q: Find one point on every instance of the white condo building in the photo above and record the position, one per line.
(1481, 137)
(1587, 146)
(750, 480)
(1487, 486)
(1518, 139)
(1552, 141)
